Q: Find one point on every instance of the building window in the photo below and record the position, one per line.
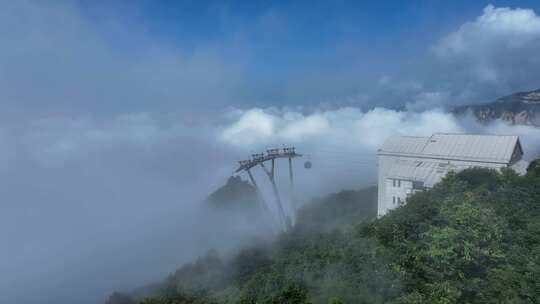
(399, 201)
(393, 182)
(418, 185)
(393, 200)
(399, 183)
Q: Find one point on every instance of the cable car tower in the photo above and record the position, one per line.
(259, 160)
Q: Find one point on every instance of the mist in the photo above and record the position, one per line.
(91, 206)
(115, 127)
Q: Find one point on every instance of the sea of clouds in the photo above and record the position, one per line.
(86, 198)
(107, 153)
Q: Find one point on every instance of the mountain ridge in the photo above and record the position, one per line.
(522, 108)
(473, 238)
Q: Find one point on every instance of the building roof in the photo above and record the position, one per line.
(424, 171)
(468, 147)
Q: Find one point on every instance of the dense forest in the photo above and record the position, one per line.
(473, 238)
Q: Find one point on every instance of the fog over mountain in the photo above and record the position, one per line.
(112, 136)
(95, 206)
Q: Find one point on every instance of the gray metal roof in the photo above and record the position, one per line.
(428, 172)
(405, 144)
(469, 147)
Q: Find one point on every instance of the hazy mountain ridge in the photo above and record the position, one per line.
(235, 193)
(321, 215)
(521, 108)
(473, 238)
(338, 247)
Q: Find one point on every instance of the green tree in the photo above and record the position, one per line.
(534, 168)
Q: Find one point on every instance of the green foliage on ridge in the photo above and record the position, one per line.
(473, 238)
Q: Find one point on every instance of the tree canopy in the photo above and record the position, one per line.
(473, 238)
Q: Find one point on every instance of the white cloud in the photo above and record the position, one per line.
(342, 143)
(428, 100)
(71, 62)
(252, 125)
(499, 47)
(344, 126)
(496, 27)
(356, 133)
(68, 173)
(493, 55)
(305, 127)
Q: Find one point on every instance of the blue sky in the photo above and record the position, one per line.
(117, 56)
(293, 36)
(278, 43)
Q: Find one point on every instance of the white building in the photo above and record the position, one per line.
(408, 164)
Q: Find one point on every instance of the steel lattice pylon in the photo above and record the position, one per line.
(271, 155)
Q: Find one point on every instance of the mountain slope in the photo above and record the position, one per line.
(521, 109)
(473, 238)
(236, 193)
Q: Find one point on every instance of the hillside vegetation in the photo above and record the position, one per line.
(473, 238)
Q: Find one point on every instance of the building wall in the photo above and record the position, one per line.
(387, 192)
(384, 165)
(397, 191)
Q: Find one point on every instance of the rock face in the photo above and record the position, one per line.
(236, 193)
(519, 109)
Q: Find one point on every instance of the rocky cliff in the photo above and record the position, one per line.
(520, 108)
